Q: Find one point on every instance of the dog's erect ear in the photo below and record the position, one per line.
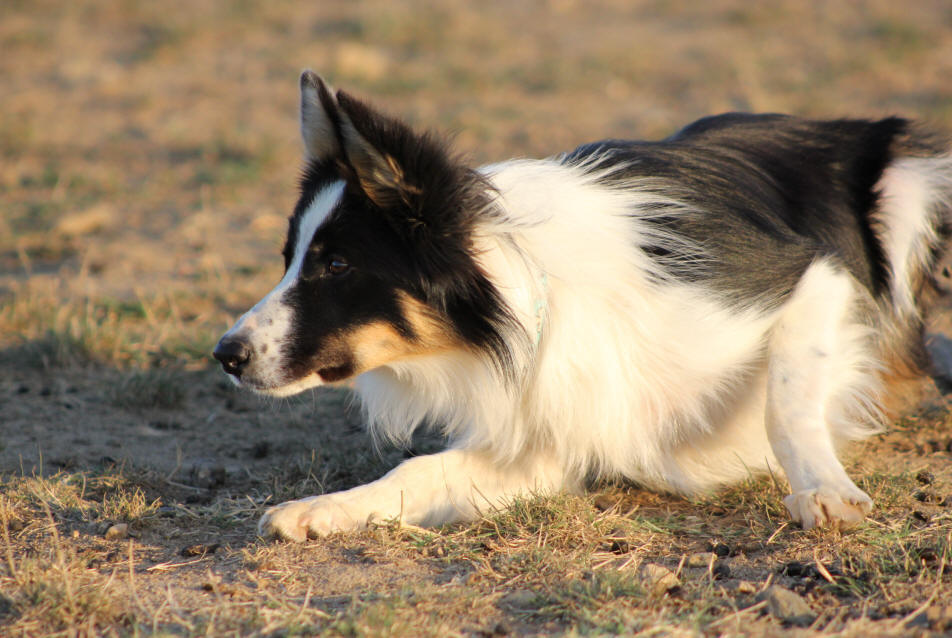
(374, 147)
(320, 119)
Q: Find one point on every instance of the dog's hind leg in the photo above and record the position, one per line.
(821, 387)
(453, 485)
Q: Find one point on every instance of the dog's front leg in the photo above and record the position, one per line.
(453, 485)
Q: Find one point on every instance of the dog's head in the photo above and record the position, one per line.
(379, 258)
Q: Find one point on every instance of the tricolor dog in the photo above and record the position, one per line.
(677, 313)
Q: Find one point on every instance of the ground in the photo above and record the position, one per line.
(148, 160)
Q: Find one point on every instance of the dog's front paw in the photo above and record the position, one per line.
(309, 518)
(828, 506)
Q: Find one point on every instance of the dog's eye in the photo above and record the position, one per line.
(337, 266)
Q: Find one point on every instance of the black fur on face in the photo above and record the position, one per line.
(391, 271)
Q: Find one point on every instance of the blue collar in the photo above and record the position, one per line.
(541, 306)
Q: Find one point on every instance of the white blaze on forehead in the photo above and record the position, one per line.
(269, 320)
(324, 202)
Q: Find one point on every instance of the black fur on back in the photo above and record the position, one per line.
(774, 192)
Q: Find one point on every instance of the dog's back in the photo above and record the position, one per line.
(793, 189)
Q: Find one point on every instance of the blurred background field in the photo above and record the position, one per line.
(153, 145)
(149, 155)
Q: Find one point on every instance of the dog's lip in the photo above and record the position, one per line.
(250, 383)
(336, 373)
(284, 389)
(257, 386)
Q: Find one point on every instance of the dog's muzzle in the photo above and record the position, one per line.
(234, 353)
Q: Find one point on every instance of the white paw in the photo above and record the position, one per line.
(310, 518)
(836, 507)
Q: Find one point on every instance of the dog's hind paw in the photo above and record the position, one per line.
(828, 506)
(309, 518)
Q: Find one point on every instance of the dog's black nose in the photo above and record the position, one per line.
(234, 354)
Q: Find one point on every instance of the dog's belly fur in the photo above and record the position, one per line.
(681, 313)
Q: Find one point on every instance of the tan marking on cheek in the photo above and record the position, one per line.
(432, 331)
(379, 343)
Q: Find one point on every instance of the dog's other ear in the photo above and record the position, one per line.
(320, 119)
(378, 149)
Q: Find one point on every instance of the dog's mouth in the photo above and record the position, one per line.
(336, 373)
(328, 374)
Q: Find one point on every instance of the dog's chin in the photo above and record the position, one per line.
(297, 386)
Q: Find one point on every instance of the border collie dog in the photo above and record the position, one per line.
(679, 314)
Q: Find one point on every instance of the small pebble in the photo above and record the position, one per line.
(722, 550)
(658, 579)
(746, 587)
(200, 550)
(620, 547)
(208, 474)
(926, 496)
(787, 606)
(701, 559)
(925, 477)
(620, 544)
(117, 532)
(796, 569)
(520, 600)
(721, 570)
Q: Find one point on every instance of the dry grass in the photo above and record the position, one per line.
(148, 155)
(48, 326)
(546, 565)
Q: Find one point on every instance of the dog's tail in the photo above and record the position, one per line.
(913, 222)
